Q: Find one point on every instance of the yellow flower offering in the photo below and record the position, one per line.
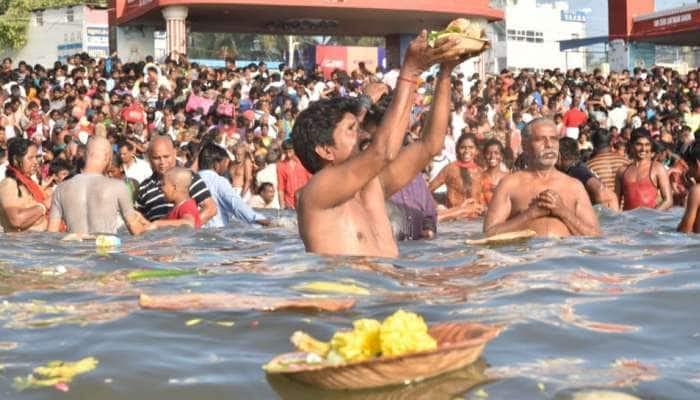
(403, 333)
(362, 343)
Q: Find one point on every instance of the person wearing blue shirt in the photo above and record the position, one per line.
(213, 162)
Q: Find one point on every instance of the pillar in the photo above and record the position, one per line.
(396, 45)
(175, 29)
(621, 14)
(393, 51)
(622, 54)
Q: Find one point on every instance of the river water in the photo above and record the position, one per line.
(617, 313)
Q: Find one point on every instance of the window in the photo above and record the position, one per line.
(40, 18)
(70, 16)
(525, 36)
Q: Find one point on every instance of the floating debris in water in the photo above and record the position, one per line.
(56, 373)
(331, 287)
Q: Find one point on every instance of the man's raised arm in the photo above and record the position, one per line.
(336, 184)
(416, 156)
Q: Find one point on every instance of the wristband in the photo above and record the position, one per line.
(409, 80)
(43, 207)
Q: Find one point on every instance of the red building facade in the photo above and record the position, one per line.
(387, 18)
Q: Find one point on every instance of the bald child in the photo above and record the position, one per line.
(176, 190)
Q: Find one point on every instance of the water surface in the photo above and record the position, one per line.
(618, 313)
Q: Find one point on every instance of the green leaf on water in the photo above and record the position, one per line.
(158, 273)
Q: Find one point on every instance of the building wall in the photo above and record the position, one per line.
(51, 35)
(531, 36)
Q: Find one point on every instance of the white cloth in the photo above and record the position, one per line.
(269, 174)
(139, 170)
(572, 132)
(617, 117)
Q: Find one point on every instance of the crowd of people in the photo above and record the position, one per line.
(364, 157)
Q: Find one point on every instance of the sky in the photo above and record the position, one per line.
(598, 17)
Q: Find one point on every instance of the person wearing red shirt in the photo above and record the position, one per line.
(176, 186)
(291, 176)
(574, 118)
(133, 111)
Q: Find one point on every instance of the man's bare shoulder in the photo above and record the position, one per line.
(7, 183)
(514, 178)
(8, 189)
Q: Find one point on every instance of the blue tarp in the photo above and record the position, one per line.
(576, 43)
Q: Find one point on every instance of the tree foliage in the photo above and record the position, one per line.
(14, 17)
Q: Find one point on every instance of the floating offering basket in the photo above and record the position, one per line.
(504, 238)
(459, 344)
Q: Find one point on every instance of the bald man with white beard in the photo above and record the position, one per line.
(92, 203)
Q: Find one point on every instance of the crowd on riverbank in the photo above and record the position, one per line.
(629, 138)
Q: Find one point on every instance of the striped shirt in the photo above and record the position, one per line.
(151, 203)
(605, 165)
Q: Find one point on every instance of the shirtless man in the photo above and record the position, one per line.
(93, 203)
(540, 197)
(241, 172)
(690, 222)
(341, 209)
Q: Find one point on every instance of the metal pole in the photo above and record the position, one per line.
(290, 40)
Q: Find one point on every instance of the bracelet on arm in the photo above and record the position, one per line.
(43, 208)
(413, 81)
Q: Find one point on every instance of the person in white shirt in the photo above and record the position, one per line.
(134, 167)
(617, 117)
(3, 163)
(269, 174)
(265, 197)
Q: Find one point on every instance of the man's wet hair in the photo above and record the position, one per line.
(315, 125)
(211, 154)
(601, 138)
(568, 149)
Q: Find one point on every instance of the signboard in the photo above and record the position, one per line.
(68, 49)
(348, 58)
(672, 20)
(573, 16)
(97, 41)
(331, 58)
